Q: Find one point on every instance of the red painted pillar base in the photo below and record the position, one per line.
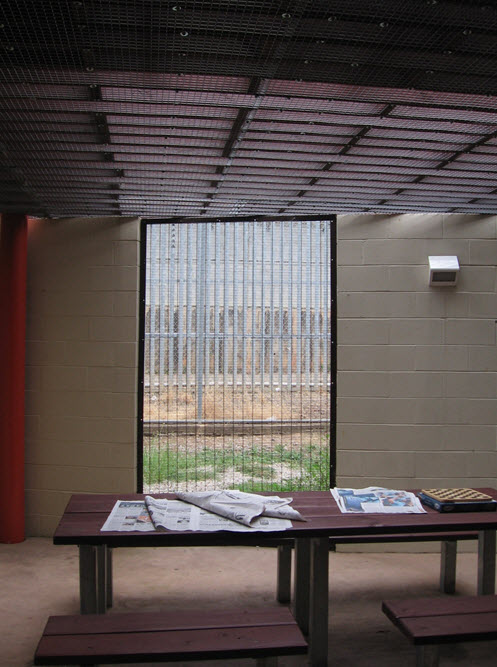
(13, 251)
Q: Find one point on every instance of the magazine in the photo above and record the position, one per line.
(377, 500)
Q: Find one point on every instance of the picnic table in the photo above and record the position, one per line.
(85, 514)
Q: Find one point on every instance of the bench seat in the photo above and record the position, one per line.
(168, 636)
(434, 621)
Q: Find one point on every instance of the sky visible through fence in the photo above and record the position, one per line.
(237, 340)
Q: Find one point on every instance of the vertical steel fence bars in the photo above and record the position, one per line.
(308, 307)
(200, 320)
(239, 306)
(244, 315)
(181, 307)
(169, 307)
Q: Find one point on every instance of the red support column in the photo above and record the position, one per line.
(13, 251)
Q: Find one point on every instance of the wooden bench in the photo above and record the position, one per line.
(91, 639)
(429, 622)
(447, 563)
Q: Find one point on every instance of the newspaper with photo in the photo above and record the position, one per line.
(377, 500)
(129, 515)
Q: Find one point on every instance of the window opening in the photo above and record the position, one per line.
(238, 358)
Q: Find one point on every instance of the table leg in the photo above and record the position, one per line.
(302, 579)
(448, 556)
(486, 562)
(318, 607)
(109, 585)
(101, 550)
(284, 576)
(87, 579)
(427, 656)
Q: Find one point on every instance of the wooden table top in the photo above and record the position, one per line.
(86, 513)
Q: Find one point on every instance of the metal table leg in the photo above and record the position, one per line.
(427, 656)
(87, 579)
(284, 576)
(318, 607)
(302, 582)
(448, 556)
(95, 578)
(109, 585)
(486, 562)
(101, 578)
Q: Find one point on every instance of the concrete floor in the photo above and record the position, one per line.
(39, 579)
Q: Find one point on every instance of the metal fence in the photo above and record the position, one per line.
(237, 356)
(238, 304)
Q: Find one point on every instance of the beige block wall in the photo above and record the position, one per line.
(81, 363)
(417, 365)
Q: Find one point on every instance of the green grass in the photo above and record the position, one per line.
(264, 469)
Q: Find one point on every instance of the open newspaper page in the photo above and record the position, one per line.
(208, 511)
(129, 515)
(181, 515)
(377, 500)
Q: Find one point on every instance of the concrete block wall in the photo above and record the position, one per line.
(417, 365)
(81, 363)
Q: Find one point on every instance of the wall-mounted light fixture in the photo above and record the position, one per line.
(444, 270)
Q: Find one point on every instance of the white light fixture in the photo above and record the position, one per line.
(444, 270)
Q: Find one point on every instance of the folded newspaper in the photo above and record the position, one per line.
(241, 506)
(377, 500)
(205, 510)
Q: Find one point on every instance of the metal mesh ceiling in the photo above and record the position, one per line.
(203, 108)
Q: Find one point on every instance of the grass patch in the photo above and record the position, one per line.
(256, 468)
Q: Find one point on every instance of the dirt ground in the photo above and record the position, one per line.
(238, 442)
(175, 404)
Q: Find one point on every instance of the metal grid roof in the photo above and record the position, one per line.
(222, 108)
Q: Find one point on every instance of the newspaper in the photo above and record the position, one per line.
(240, 512)
(241, 506)
(129, 515)
(180, 515)
(377, 500)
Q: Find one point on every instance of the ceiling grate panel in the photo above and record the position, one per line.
(235, 107)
